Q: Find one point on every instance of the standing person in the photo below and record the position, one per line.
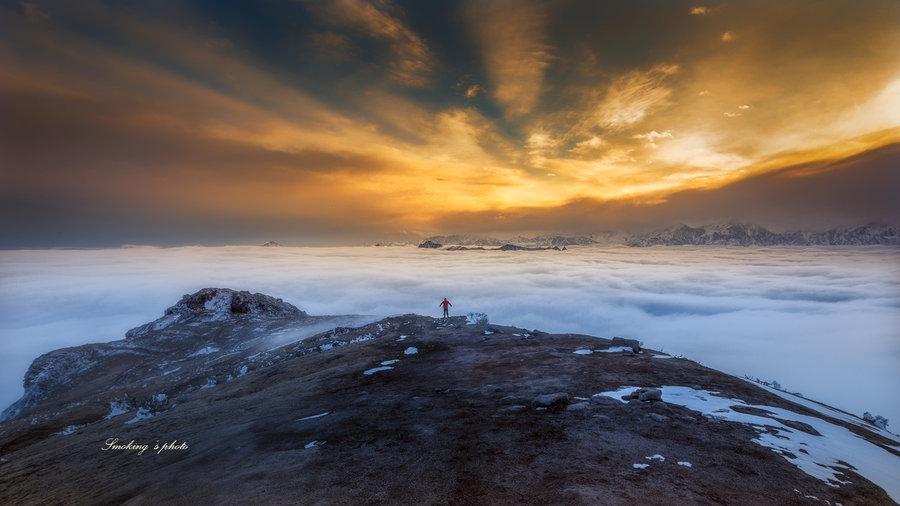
(446, 305)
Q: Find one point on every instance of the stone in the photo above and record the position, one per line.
(658, 417)
(547, 400)
(650, 394)
(515, 408)
(605, 400)
(578, 406)
(634, 344)
(644, 394)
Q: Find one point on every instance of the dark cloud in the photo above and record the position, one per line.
(99, 137)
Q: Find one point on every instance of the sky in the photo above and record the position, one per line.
(222, 122)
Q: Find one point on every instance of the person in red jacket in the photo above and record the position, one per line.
(446, 305)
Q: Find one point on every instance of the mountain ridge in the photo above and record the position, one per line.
(271, 404)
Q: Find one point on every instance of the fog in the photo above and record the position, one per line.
(822, 321)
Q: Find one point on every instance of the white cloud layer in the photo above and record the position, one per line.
(823, 322)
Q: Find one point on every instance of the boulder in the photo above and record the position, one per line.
(644, 394)
(430, 245)
(605, 400)
(551, 400)
(634, 344)
(578, 406)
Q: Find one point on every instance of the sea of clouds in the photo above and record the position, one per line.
(822, 321)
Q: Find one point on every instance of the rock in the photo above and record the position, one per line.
(271, 244)
(578, 406)
(218, 304)
(650, 394)
(644, 394)
(604, 400)
(478, 319)
(634, 344)
(876, 420)
(659, 418)
(602, 418)
(430, 245)
(516, 408)
(548, 400)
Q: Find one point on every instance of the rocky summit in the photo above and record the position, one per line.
(232, 397)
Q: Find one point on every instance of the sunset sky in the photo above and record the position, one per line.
(308, 122)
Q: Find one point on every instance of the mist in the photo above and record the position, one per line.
(821, 321)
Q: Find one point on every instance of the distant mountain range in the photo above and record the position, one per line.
(732, 234)
(739, 234)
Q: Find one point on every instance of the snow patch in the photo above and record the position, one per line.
(160, 398)
(361, 339)
(313, 444)
(656, 457)
(583, 351)
(242, 371)
(369, 372)
(390, 362)
(206, 350)
(615, 349)
(685, 463)
(209, 384)
(69, 430)
(820, 456)
(826, 410)
(219, 305)
(142, 414)
(412, 350)
(640, 466)
(320, 415)
(117, 408)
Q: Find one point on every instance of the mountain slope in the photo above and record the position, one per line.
(413, 409)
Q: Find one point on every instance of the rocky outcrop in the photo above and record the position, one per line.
(430, 245)
(634, 344)
(218, 304)
(516, 247)
(271, 244)
(200, 326)
(470, 242)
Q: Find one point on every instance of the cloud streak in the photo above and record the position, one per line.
(412, 61)
(512, 36)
